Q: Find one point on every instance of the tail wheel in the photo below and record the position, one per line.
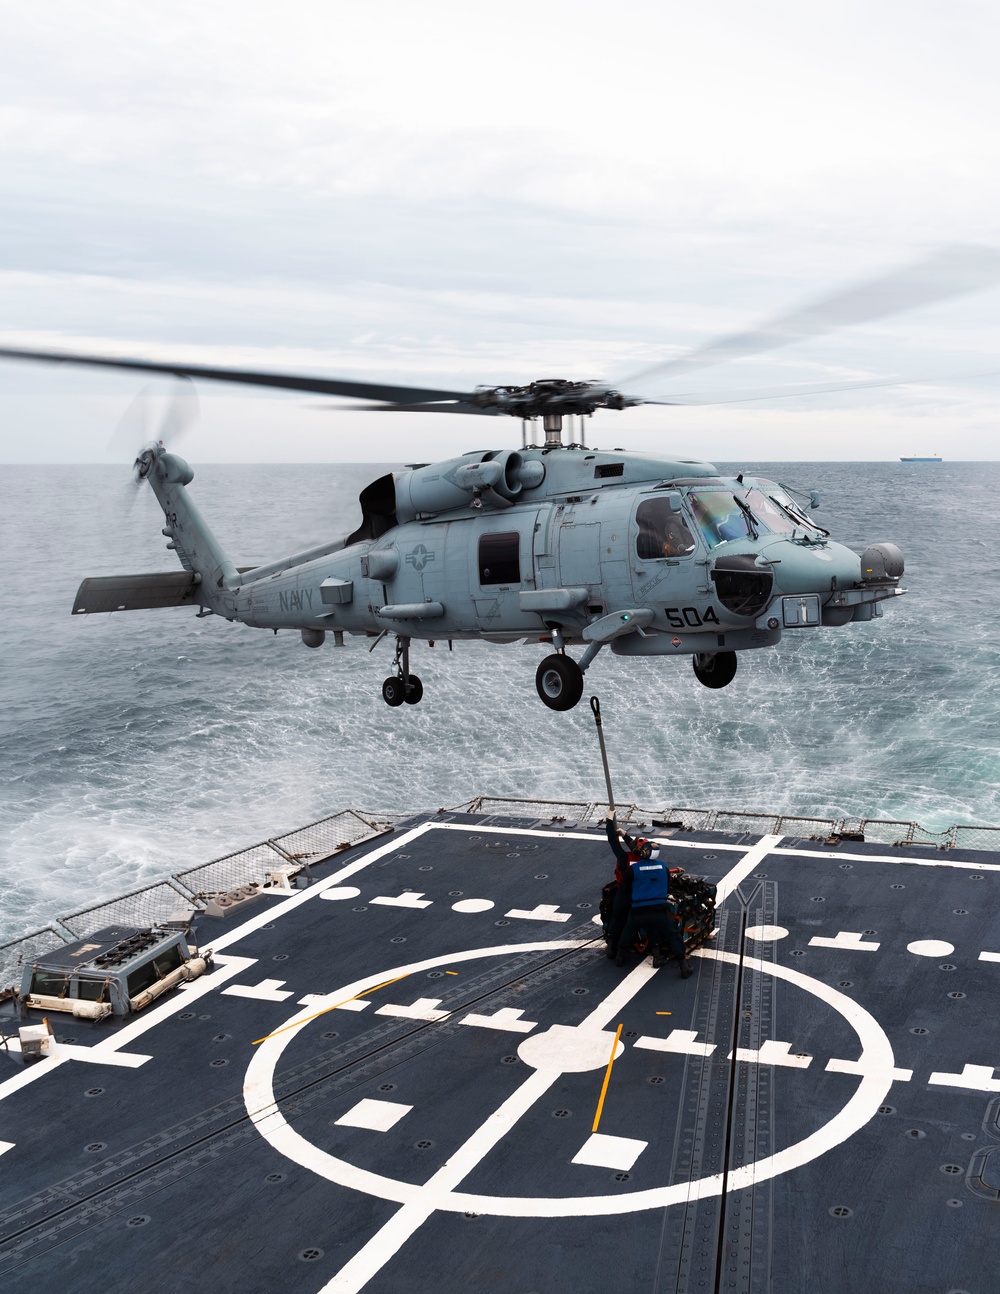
(717, 669)
(559, 682)
(414, 690)
(392, 691)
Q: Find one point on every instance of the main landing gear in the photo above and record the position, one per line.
(714, 669)
(401, 685)
(559, 682)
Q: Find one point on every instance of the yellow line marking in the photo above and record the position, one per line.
(664, 1013)
(607, 1078)
(451, 972)
(295, 1024)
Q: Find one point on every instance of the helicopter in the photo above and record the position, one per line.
(553, 542)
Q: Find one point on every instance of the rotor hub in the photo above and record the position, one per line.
(550, 398)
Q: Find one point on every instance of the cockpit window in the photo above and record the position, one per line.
(719, 516)
(766, 506)
(662, 531)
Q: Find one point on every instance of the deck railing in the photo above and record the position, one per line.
(188, 891)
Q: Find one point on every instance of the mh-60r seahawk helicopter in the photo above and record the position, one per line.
(553, 543)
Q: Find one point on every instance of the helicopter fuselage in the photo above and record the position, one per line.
(650, 556)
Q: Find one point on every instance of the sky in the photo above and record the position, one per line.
(454, 194)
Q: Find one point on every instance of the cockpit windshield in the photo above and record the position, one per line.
(723, 515)
(719, 516)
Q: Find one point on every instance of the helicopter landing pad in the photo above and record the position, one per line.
(422, 1073)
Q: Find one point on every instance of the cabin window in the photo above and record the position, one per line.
(142, 978)
(50, 983)
(500, 558)
(168, 961)
(662, 531)
(90, 990)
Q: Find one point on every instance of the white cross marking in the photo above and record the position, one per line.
(543, 912)
(268, 990)
(845, 939)
(411, 899)
(679, 1040)
(978, 1078)
(772, 1053)
(506, 1018)
(858, 1067)
(422, 1009)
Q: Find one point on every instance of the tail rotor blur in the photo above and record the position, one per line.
(143, 425)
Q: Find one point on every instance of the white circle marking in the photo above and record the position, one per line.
(876, 1073)
(930, 948)
(341, 892)
(766, 934)
(473, 905)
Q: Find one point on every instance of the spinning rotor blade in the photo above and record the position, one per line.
(391, 395)
(136, 428)
(947, 273)
(819, 388)
(436, 407)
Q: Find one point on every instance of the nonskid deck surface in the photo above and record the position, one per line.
(817, 1108)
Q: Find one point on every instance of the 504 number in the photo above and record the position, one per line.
(689, 617)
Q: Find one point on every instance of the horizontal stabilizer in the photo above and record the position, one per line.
(136, 592)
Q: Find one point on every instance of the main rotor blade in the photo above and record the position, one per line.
(249, 377)
(947, 273)
(460, 406)
(691, 399)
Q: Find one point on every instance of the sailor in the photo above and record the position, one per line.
(623, 875)
(649, 894)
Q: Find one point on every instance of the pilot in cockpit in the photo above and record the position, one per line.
(677, 541)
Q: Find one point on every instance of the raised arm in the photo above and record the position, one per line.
(612, 828)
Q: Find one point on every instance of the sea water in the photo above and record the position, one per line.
(134, 745)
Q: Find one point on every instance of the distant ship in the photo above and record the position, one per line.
(922, 458)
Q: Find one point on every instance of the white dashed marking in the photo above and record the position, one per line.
(989, 957)
(930, 948)
(376, 1116)
(860, 1068)
(422, 1009)
(473, 905)
(5, 1146)
(978, 1078)
(772, 1053)
(845, 939)
(355, 1003)
(411, 899)
(602, 1151)
(681, 1041)
(341, 892)
(543, 912)
(68, 1051)
(268, 990)
(506, 1018)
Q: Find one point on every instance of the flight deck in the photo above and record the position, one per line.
(410, 1066)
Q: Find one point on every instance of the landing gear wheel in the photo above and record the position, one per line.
(392, 691)
(414, 691)
(559, 682)
(716, 669)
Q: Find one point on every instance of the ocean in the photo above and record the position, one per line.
(135, 745)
